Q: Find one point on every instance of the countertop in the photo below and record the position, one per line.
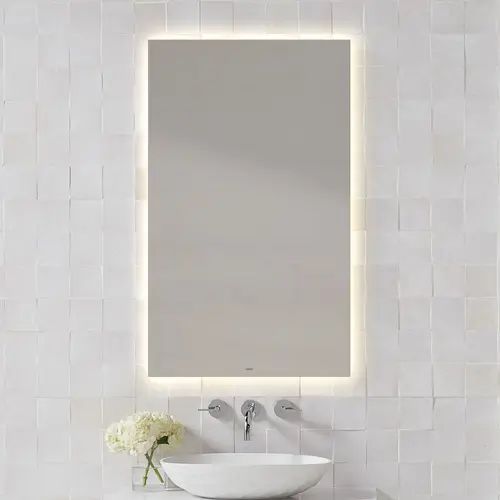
(312, 494)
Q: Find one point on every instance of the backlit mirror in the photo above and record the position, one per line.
(249, 216)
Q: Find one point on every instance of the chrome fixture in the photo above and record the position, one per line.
(216, 408)
(286, 409)
(250, 409)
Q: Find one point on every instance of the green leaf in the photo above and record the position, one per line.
(162, 440)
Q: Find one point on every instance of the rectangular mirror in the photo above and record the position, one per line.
(249, 208)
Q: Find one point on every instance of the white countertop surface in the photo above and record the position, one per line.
(312, 494)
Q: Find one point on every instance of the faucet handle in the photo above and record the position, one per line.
(216, 408)
(252, 406)
(286, 409)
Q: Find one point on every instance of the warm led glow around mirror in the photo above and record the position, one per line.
(263, 385)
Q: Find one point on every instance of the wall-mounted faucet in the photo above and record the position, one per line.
(286, 409)
(249, 409)
(217, 408)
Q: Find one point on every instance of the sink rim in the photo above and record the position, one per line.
(290, 459)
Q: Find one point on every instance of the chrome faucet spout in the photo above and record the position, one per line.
(249, 415)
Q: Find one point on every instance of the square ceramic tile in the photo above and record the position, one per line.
(415, 446)
(481, 411)
(381, 215)
(118, 49)
(415, 379)
(86, 380)
(382, 345)
(118, 82)
(482, 443)
(481, 346)
(86, 413)
(26, 445)
(481, 478)
(53, 413)
(86, 182)
(448, 344)
(350, 446)
(477, 18)
(449, 379)
(250, 16)
(85, 16)
(315, 17)
(117, 116)
(381, 82)
(381, 182)
(20, 17)
(382, 413)
(448, 479)
(317, 412)
(447, 17)
(381, 16)
(414, 82)
(449, 413)
(18, 183)
(481, 281)
(414, 313)
(447, 178)
(382, 248)
(285, 441)
(481, 380)
(449, 281)
(414, 17)
(382, 446)
(481, 313)
(53, 446)
(447, 215)
(347, 475)
(53, 281)
(414, 215)
(480, 183)
(216, 16)
(414, 49)
(86, 314)
(53, 378)
(480, 248)
(382, 379)
(448, 313)
(414, 246)
(479, 51)
(117, 17)
(347, 17)
(415, 413)
(183, 17)
(86, 215)
(415, 478)
(448, 116)
(86, 248)
(349, 413)
(382, 280)
(414, 345)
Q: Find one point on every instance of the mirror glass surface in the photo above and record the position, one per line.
(249, 208)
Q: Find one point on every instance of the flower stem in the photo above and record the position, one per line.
(146, 471)
(149, 458)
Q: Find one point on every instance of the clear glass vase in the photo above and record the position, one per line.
(144, 479)
(152, 482)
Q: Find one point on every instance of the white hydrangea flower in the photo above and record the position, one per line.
(139, 432)
(115, 437)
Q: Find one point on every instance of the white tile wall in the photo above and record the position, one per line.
(419, 418)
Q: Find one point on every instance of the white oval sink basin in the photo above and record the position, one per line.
(244, 475)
